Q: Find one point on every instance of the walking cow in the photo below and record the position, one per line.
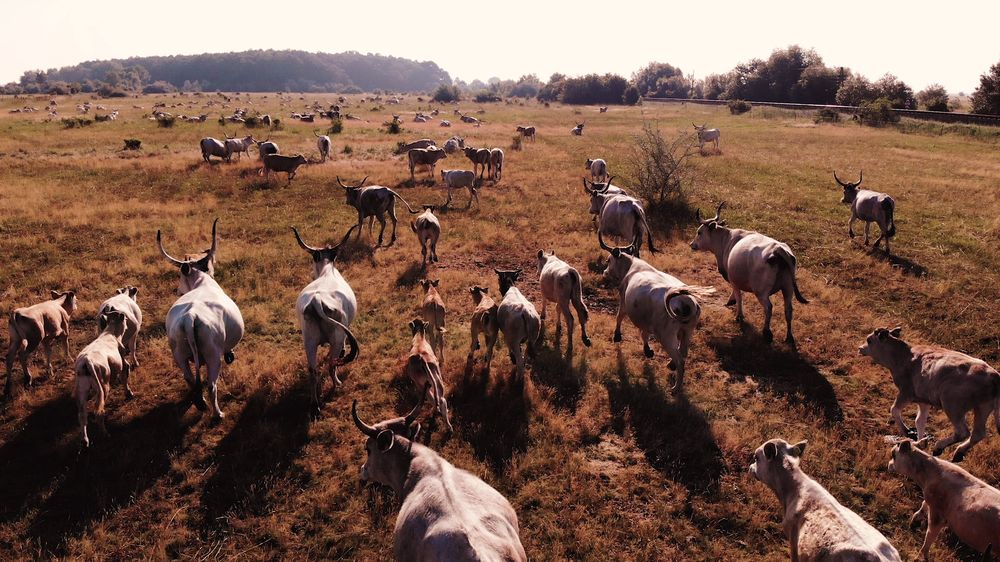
(869, 206)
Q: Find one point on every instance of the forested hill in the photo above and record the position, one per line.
(269, 70)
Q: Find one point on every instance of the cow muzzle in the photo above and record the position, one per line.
(863, 350)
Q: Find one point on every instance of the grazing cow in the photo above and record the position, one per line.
(478, 157)
(484, 320)
(423, 369)
(577, 131)
(496, 164)
(561, 284)
(204, 325)
(373, 202)
(424, 157)
(527, 131)
(751, 262)
(433, 311)
(953, 498)
(281, 163)
(598, 169)
(458, 179)
(453, 145)
(124, 301)
(239, 146)
(818, 527)
(428, 229)
(422, 143)
(98, 365)
(42, 323)
(266, 120)
(446, 513)
(445, 123)
(323, 144)
(470, 119)
(620, 216)
(706, 136)
(603, 109)
(266, 147)
(214, 147)
(935, 377)
(661, 306)
(326, 308)
(518, 320)
(869, 206)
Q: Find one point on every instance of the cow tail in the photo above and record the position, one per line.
(92, 373)
(782, 257)
(15, 332)
(191, 333)
(323, 316)
(400, 197)
(577, 294)
(887, 208)
(996, 401)
(649, 234)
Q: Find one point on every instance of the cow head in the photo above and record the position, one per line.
(112, 322)
(850, 189)
(69, 300)
(589, 163)
(774, 459)
(260, 142)
(598, 195)
(619, 260)
(418, 326)
(353, 191)
(325, 255)
(130, 291)
(428, 283)
(709, 230)
(477, 293)
(881, 343)
(543, 258)
(908, 458)
(699, 128)
(389, 446)
(507, 279)
(192, 269)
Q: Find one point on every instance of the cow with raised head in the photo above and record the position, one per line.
(706, 135)
(518, 319)
(484, 321)
(239, 146)
(42, 324)
(101, 363)
(561, 283)
(373, 202)
(871, 207)
(480, 158)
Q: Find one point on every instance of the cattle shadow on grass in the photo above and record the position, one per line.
(115, 470)
(408, 277)
(669, 218)
(778, 370)
(259, 451)
(554, 371)
(907, 266)
(492, 414)
(674, 435)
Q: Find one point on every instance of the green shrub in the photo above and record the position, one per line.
(166, 122)
(336, 127)
(827, 115)
(393, 127)
(658, 167)
(739, 107)
(446, 93)
(631, 96)
(133, 144)
(73, 122)
(877, 113)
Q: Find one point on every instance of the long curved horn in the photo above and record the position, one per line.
(346, 236)
(215, 240)
(860, 179)
(697, 216)
(302, 244)
(835, 178)
(608, 183)
(365, 428)
(718, 210)
(315, 134)
(173, 260)
(585, 188)
(412, 416)
(600, 240)
(362, 182)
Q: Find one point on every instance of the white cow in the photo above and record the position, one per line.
(620, 216)
(204, 325)
(561, 284)
(706, 135)
(869, 206)
(598, 169)
(239, 146)
(458, 179)
(427, 227)
(323, 144)
(125, 302)
(214, 147)
(98, 365)
(518, 320)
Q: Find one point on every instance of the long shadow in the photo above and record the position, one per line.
(907, 266)
(259, 451)
(36, 455)
(410, 275)
(669, 218)
(780, 371)
(554, 370)
(674, 435)
(113, 472)
(492, 415)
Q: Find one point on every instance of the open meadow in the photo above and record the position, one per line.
(598, 458)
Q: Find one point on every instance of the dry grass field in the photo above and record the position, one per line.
(598, 458)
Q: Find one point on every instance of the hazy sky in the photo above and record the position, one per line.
(948, 43)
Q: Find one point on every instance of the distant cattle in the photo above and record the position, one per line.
(706, 135)
(428, 230)
(214, 147)
(457, 179)
(282, 163)
(869, 206)
(373, 202)
(480, 158)
(323, 144)
(424, 157)
(578, 130)
(598, 169)
(527, 131)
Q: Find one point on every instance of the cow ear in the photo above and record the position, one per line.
(485, 289)
(435, 282)
(895, 332)
(102, 322)
(413, 326)
(770, 450)
(121, 290)
(798, 449)
(133, 291)
(384, 440)
(541, 253)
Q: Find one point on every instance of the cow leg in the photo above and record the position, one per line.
(47, 347)
(881, 236)
(191, 377)
(214, 367)
(381, 230)
(434, 250)
(474, 344)
(935, 524)
(850, 225)
(885, 237)
(918, 514)
(562, 311)
(646, 350)
(361, 225)
(133, 345)
(897, 415)
(491, 342)
(980, 415)
(868, 228)
(126, 371)
(581, 313)
(957, 419)
(737, 299)
(315, 382)
(371, 227)
(671, 343)
(392, 217)
(617, 338)
(423, 252)
(442, 403)
(923, 412)
(12, 353)
(765, 301)
(787, 294)
(448, 202)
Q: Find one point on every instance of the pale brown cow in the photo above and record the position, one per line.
(42, 323)
(484, 320)
(433, 311)
(423, 369)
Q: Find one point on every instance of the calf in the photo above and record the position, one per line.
(953, 498)
(478, 157)
(98, 365)
(518, 320)
(935, 377)
(706, 135)
(527, 132)
(433, 311)
(578, 130)
(373, 202)
(496, 164)
(124, 301)
(428, 229)
(446, 513)
(453, 145)
(266, 147)
(282, 163)
(562, 285)
(323, 144)
(458, 179)
(484, 320)
(423, 369)
(239, 146)
(598, 169)
(869, 206)
(42, 323)
(424, 157)
(752, 262)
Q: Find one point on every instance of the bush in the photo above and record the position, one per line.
(159, 87)
(827, 115)
(986, 98)
(166, 122)
(516, 142)
(132, 144)
(658, 167)
(73, 122)
(108, 91)
(276, 125)
(631, 96)
(739, 107)
(348, 149)
(446, 94)
(877, 113)
(486, 97)
(934, 98)
(336, 126)
(393, 127)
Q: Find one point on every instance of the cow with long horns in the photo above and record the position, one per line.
(869, 206)
(373, 202)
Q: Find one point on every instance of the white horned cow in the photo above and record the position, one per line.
(239, 146)
(125, 302)
(101, 363)
(484, 320)
(422, 143)
(480, 157)
(496, 164)
(754, 263)
(561, 284)
(40, 324)
(457, 179)
(935, 377)
(518, 320)
(323, 144)
(433, 311)
(423, 369)
(214, 147)
(706, 135)
(661, 306)
(620, 216)
(204, 325)
(427, 227)
(326, 308)
(953, 498)
(424, 157)
(373, 202)
(446, 514)
(818, 527)
(598, 170)
(869, 206)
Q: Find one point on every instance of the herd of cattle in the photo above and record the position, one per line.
(450, 514)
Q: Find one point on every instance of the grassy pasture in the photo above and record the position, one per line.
(600, 461)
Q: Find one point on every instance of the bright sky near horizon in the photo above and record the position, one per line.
(947, 44)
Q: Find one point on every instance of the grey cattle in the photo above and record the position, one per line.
(323, 144)
(706, 135)
(454, 144)
(935, 377)
(606, 187)
(869, 206)
(125, 301)
(266, 147)
(561, 284)
(578, 130)
(484, 320)
(496, 164)
(428, 230)
(518, 320)
(598, 169)
(620, 216)
(239, 146)
(282, 163)
(422, 143)
(373, 202)
(40, 324)
(97, 366)
(424, 157)
(446, 514)
(214, 147)
(751, 262)
(457, 179)
(480, 157)
(527, 131)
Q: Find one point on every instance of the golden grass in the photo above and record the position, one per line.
(598, 459)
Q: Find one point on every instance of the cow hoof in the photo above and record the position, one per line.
(731, 301)
(229, 357)
(586, 341)
(200, 404)
(790, 340)
(617, 337)
(768, 336)
(851, 234)
(740, 319)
